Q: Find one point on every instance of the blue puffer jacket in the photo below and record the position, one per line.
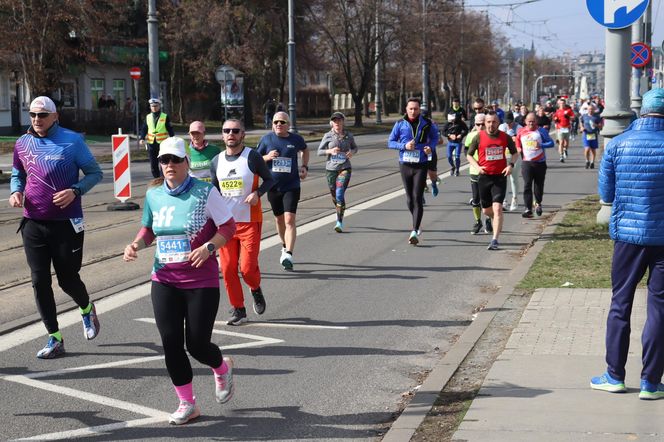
(631, 177)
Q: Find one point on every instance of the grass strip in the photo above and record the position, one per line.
(578, 254)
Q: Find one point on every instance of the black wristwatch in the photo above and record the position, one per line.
(210, 248)
(76, 191)
(512, 165)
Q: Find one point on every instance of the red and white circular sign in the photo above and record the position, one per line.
(135, 73)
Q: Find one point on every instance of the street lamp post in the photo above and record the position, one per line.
(153, 48)
(425, 65)
(291, 66)
(379, 100)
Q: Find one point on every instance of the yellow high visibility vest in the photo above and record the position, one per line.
(158, 133)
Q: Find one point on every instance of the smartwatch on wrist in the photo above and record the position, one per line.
(512, 165)
(76, 191)
(210, 247)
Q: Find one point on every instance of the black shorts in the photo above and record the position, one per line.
(492, 189)
(283, 201)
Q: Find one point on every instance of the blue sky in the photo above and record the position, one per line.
(555, 26)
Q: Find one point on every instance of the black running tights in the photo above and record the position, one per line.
(186, 315)
(54, 241)
(414, 177)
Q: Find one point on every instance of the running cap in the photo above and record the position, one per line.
(337, 115)
(479, 118)
(653, 102)
(154, 101)
(197, 126)
(172, 146)
(42, 103)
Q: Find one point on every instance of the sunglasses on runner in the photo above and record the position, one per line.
(41, 115)
(280, 122)
(168, 158)
(233, 130)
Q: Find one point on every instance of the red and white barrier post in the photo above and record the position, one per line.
(121, 173)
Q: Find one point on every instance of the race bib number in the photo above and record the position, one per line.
(77, 224)
(564, 130)
(494, 154)
(411, 156)
(282, 164)
(231, 187)
(530, 144)
(591, 137)
(339, 158)
(171, 249)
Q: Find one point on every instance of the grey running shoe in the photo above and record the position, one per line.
(538, 209)
(488, 227)
(259, 301)
(238, 316)
(91, 324)
(52, 349)
(493, 245)
(185, 412)
(413, 239)
(476, 227)
(224, 387)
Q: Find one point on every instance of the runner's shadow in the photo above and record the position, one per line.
(375, 323)
(261, 424)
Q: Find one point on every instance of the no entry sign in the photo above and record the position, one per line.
(135, 73)
(641, 54)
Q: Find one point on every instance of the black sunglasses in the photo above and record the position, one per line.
(479, 124)
(41, 115)
(279, 122)
(168, 158)
(233, 130)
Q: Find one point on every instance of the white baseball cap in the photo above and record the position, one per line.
(43, 104)
(172, 146)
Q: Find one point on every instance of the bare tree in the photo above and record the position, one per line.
(43, 38)
(347, 36)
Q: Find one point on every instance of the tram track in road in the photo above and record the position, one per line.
(376, 174)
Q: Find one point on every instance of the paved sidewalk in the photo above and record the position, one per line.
(538, 389)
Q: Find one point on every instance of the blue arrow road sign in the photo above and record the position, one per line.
(616, 14)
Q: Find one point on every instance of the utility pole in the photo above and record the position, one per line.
(523, 73)
(635, 99)
(379, 100)
(425, 65)
(616, 114)
(153, 49)
(291, 66)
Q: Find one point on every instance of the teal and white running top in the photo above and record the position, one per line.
(181, 223)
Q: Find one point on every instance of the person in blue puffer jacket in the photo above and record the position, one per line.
(631, 177)
(415, 137)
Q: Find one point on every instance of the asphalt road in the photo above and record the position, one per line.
(357, 325)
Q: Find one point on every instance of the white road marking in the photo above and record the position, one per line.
(98, 430)
(86, 396)
(155, 416)
(121, 299)
(36, 331)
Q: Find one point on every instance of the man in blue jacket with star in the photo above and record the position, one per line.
(631, 177)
